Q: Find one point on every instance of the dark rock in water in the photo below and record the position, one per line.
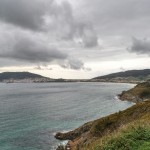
(74, 134)
(61, 147)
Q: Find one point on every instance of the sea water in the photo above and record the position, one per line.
(31, 113)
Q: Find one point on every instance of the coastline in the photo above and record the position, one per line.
(75, 133)
(82, 135)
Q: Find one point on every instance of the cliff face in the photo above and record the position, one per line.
(93, 135)
(139, 93)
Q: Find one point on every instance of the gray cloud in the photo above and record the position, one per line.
(72, 63)
(42, 68)
(70, 27)
(35, 51)
(23, 13)
(90, 39)
(48, 15)
(117, 17)
(29, 50)
(57, 30)
(140, 46)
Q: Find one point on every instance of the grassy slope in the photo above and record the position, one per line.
(133, 136)
(126, 130)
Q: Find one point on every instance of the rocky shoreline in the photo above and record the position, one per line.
(90, 131)
(71, 135)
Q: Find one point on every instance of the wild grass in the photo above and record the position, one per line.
(132, 135)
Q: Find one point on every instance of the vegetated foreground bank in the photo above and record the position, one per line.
(125, 130)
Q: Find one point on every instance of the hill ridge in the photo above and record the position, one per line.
(130, 76)
(15, 77)
(128, 73)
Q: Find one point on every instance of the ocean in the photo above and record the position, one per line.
(31, 113)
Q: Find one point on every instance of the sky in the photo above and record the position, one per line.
(74, 39)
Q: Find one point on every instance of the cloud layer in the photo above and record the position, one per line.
(23, 13)
(28, 50)
(33, 49)
(71, 33)
(53, 20)
(140, 46)
(48, 15)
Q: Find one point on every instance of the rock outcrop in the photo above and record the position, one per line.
(75, 133)
(140, 92)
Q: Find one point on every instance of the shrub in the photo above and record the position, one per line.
(130, 140)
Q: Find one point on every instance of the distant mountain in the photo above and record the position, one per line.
(26, 77)
(21, 76)
(131, 75)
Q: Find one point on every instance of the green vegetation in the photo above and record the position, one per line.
(134, 139)
(138, 74)
(18, 75)
(133, 135)
(114, 121)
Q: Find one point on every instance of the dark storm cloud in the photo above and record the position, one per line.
(48, 15)
(43, 17)
(25, 49)
(23, 13)
(59, 30)
(70, 27)
(140, 46)
(29, 50)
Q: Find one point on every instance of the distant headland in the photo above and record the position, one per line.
(131, 76)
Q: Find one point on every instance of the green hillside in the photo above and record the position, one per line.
(18, 75)
(131, 75)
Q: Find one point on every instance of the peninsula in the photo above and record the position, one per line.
(124, 130)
